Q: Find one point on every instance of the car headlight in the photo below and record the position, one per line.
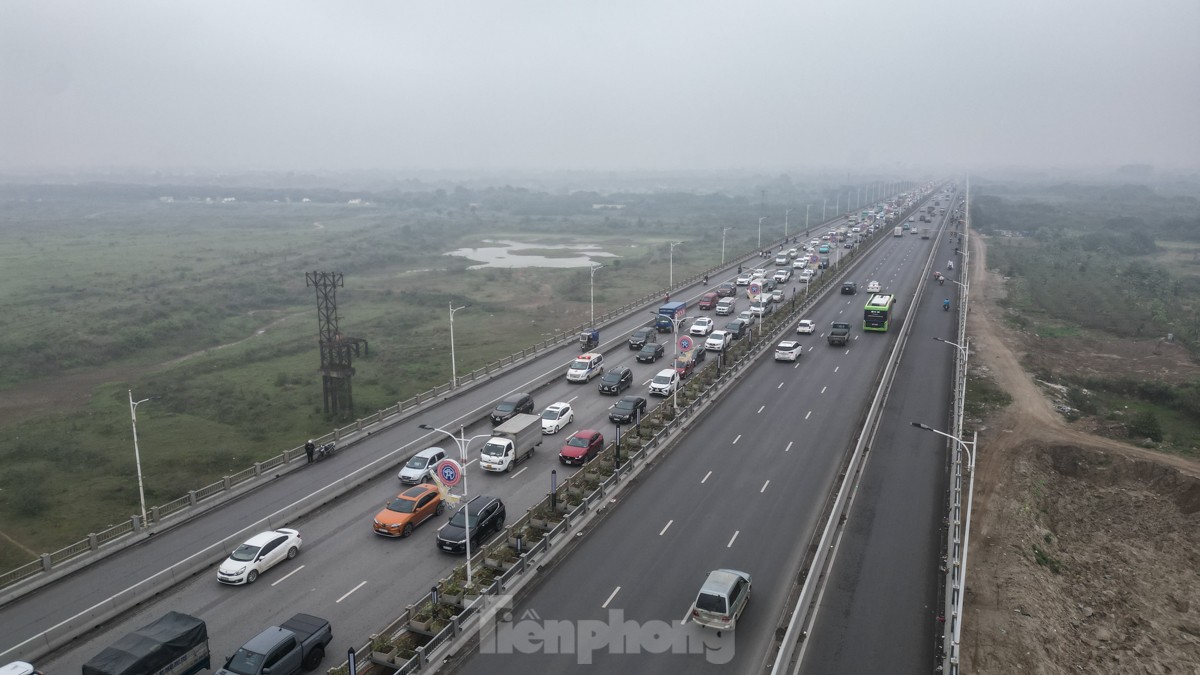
(238, 571)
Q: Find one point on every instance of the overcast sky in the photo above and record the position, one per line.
(600, 84)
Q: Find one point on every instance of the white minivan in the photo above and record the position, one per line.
(664, 383)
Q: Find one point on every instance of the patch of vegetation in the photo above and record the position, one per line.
(1046, 560)
(984, 396)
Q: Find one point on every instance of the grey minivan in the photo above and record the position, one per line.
(721, 599)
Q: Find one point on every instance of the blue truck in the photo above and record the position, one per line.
(669, 311)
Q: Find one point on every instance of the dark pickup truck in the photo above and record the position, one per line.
(839, 333)
(283, 650)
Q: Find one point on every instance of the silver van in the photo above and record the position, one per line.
(419, 468)
(721, 599)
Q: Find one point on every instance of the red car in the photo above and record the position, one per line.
(708, 301)
(584, 445)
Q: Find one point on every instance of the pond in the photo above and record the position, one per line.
(508, 253)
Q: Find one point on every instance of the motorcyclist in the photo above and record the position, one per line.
(706, 279)
(950, 264)
(946, 304)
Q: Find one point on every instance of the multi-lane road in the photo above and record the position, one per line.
(745, 490)
(359, 580)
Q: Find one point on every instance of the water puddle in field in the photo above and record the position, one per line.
(511, 254)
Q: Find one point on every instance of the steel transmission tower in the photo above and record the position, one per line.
(337, 350)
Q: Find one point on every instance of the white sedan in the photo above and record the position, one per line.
(259, 554)
(556, 416)
(806, 326)
(702, 326)
(873, 287)
(788, 350)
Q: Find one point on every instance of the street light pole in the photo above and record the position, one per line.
(823, 203)
(453, 363)
(462, 442)
(806, 230)
(969, 449)
(723, 243)
(675, 327)
(785, 223)
(760, 232)
(137, 456)
(671, 282)
(592, 293)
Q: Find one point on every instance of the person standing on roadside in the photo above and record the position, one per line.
(309, 449)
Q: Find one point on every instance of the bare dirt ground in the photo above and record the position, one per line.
(1085, 550)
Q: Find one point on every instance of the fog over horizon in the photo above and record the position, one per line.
(619, 85)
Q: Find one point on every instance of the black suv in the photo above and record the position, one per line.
(513, 405)
(487, 516)
(628, 410)
(737, 328)
(641, 336)
(726, 289)
(616, 380)
(849, 288)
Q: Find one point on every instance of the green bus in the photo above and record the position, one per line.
(877, 312)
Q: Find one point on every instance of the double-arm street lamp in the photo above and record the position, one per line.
(453, 364)
(675, 332)
(671, 255)
(137, 456)
(962, 349)
(462, 442)
(592, 294)
(961, 582)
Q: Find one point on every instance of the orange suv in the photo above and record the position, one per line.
(408, 510)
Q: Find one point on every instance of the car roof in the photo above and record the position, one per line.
(558, 405)
(631, 397)
(720, 581)
(263, 538)
(417, 491)
(788, 344)
(588, 356)
(430, 452)
(666, 371)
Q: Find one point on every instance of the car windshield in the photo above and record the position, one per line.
(625, 405)
(709, 602)
(611, 377)
(681, 362)
(579, 365)
(662, 379)
(244, 553)
(506, 406)
(460, 519)
(494, 449)
(551, 414)
(245, 662)
(417, 463)
(577, 442)
(649, 349)
(400, 505)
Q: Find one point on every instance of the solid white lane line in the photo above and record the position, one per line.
(706, 476)
(519, 472)
(614, 594)
(764, 487)
(280, 580)
(735, 440)
(729, 545)
(664, 530)
(789, 447)
(351, 591)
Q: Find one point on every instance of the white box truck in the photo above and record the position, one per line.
(511, 443)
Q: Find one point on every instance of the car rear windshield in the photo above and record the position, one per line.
(708, 602)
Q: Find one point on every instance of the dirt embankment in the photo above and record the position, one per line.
(1085, 554)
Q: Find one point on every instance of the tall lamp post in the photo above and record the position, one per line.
(961, 584)
(806, 229)
(671, 282)
(137, 455)
(823, 203)
(785, 223)
(453, 363)
(723, 243)
(760, 232)
(462, 442)
(675, 333)
(592, 293)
